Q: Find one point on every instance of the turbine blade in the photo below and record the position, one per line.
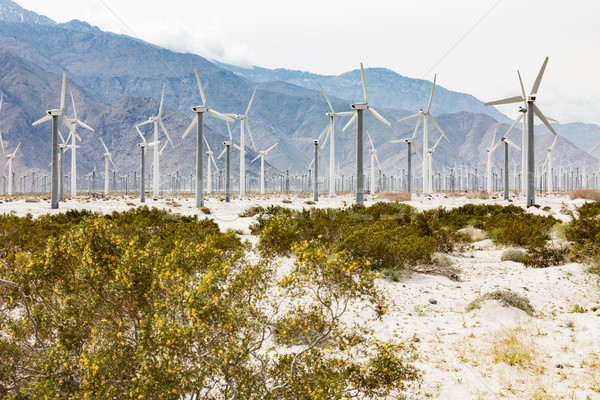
(522, 87)
(43, 119)
(235, 146)
(514, 123)
(250, 133)
(554, 142)
(251, 101)
(344, 113)
(416, 149)
(2, 141)
(364, 82)
(438, 127)
(494, 137)
(189, 128)
(164, 128)
(73, 102)
(539, 114)
(307, 140)
(377, 159)
(538, 80)
(494, 147)
(104, 144)
(207, 145)
(67, 123)
(216, 114)
(510, 100)
(326, 98)
(229, 130)
(325, 131)
(546, 160)
(138, 131)
(416, 128)
(86, 126)
(1, 100)
(149, 121)
(271, 148)
(409, 117)
(200, 87)
(320, 153)
(256, 158)
(62, 92)
(511, 143)
(15, 152)
(222, 153)
(436, 143)
(111, 161)
(350, 122)
(370, 140)
(162, 98)
(432, 91)
(374, 113)
(595, 148)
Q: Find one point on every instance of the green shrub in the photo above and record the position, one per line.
(584, 232)
(518, 229)
(542, 254)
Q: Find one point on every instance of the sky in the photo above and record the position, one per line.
(474, 46)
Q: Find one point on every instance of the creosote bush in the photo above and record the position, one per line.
(506, 298)
(513, 254)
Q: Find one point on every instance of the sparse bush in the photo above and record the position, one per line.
(442, 265)
(587, 194)
(513, 347)
(515, 255)
(584, 233)
(506, 298)
(543, 254)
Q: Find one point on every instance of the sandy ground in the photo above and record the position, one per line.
(456, 347)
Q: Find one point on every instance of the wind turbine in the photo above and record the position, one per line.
(410, 142)
(374, 158)
(330, 128)
(199, 122)
(358, 117)
(261, 155)
(507, 142)
(107, 157)
(489, 151)
(54, 115)
(548, 161)
(430, 163)
(143, 146)
(423, 115)
(9, 165)
(210, 157)
(244, 121)
(531, 110)
(75, 121)
(315, 162)
(1, 141)
(157, 121)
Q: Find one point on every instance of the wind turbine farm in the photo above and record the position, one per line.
(278, 262)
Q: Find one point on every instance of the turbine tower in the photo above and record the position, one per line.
(531, 110)
(507, 142)
(143, 146)
(199, 123)
(358, 117)
(374, 158)
(330, 128)
(107, 157)
(423, 115)
(261, 155)
(209, 155)
(489, 151)
(54, 115)
(157, 121)
(75, 121)
(315, 162)
(244, 121)
(9, 165)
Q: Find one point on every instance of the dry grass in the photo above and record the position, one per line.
(587, 194)
(393, 196)
(513, 347)
(205, 210)
(512, 254)
(483, 195)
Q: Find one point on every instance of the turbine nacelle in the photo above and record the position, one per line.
(55, 113)
(200, 109)
(359, 106)
(531, 98)
(523, 110)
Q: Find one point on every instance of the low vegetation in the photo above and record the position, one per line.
(506, 298)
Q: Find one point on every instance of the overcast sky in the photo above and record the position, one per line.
(475, 46)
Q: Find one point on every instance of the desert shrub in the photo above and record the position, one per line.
(543, 254)
(518, 229)
(587, 194)
(506, 298)
(387, 245)
(442, 265)
(515, 255)
(512, 347)
(584, 232)
(252, 211)
(474, 215)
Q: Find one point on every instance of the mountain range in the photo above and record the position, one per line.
(117, 81)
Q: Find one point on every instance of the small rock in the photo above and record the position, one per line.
(558, 366)
(432, 301)
(416, 339)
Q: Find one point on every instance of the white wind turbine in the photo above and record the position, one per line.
(143, 146)
(157, 121)
(107, 157)
(423, 115)
(9, 165)
(507, 142)
(528, 147)
(75, 121)
(374, 158)
(548, 161)
(244, 121)
(489, 151)
(315, 162)
(410, 142)
(358, 117)
(261, 155)
(330, 128)
(54, 115)
(199, 123)
(430, 163)
(227, 151)
(1, 141)
(210, 157)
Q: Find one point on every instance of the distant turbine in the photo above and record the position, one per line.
(54, 115)
(430, 163)
(107, 157)
(244, 121)
(73, 146)
(597, 146)
(199, 122)
(532, 110)
(227, 151)
(410, 142)
(374, 158)
(157, 120)
(210, 157)
(489, 151)
(9, 165)
(1, 141)
(424, 115)
(315, 162)
(143, 147)
(358, 117)
(330, 128)
(548, 161)
(507, 142)
(261, 155)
